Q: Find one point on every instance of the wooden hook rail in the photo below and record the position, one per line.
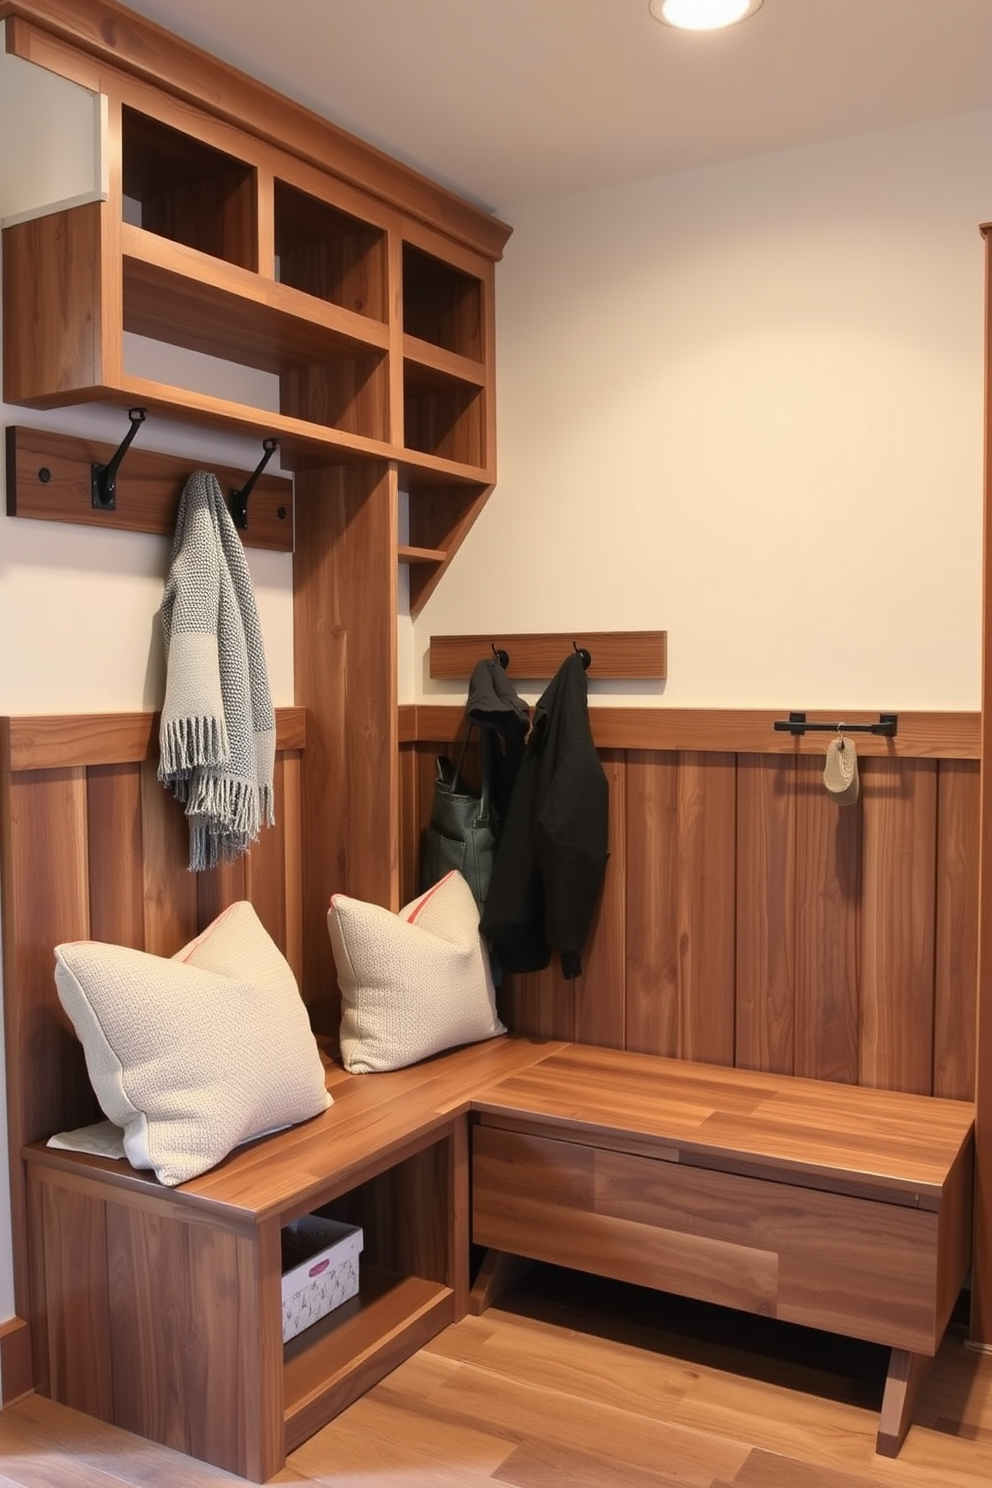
(50, 478)
(629, 655)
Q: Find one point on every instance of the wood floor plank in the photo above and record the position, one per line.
(692, 1457)
(544, 1466)
(769, 1470)
(570, 1363)
(378, 1441)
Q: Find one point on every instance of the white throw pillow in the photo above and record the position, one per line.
(195, 1054)
(412, 983)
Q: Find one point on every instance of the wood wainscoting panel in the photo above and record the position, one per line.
(748, 918)
(828, 896)
(652, 968)
(958, 822)
(766, 914)
(599, 1016)
(115, 846)
(707, 834)
(169, 889)
(897, 924)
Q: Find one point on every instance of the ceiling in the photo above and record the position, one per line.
(507, 101)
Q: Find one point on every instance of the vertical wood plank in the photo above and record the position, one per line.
(344, 586)
(599, 993)
(409, 823)
(707, 806)
(897, 934)
(828, 919)
(168, 888)
(766, 912)
(115, 869)
(292, 784)
(956, 930)
(652, 972)
(45, 901)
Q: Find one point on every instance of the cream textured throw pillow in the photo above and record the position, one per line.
(412, 983)
(193, 1055)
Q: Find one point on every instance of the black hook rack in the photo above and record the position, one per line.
(796, 723)
(503, 657)
(586, 656)
(103, 478)
(238, 502)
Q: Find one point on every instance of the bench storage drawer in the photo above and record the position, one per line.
(848, 1263)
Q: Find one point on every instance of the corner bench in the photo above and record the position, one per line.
(159, 1309)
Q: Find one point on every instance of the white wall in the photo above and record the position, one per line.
(744, 405)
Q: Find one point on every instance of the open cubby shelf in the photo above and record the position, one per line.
(370, 339)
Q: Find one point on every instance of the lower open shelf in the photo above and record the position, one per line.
(336, 1360)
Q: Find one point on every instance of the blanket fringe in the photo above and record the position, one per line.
(189, 743)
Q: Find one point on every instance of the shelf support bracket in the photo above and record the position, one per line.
(103, 478)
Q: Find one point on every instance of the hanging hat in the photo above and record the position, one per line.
(840, 773)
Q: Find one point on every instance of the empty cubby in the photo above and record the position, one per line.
(330, 254)
(441, 304)
(185, 190)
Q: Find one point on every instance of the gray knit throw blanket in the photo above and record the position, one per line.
(217, 736)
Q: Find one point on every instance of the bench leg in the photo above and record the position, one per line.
(902, 1385)
(498, 1272)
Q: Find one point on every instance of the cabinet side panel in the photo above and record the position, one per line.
(52, 305)
(186, 1339)
(77, 1334)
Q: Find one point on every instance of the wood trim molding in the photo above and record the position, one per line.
(15, 1361)
(729, 731)
(66, 740)
(137, 46)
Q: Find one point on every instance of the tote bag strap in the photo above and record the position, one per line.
(455, 779)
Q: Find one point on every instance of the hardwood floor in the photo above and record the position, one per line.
(579, 1383)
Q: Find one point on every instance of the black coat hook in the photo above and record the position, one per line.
(503, 657)
(585, 655)
(238, 502)
(103, 478)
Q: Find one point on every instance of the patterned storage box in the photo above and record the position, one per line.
(320, 1270)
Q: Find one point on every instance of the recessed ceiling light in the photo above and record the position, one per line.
(702, 15)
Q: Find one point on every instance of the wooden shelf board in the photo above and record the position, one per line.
(149, 486)
(434, 364)
(634, 655)
(407, 554)
(187, 298)
(420, 472)
(334, 1361)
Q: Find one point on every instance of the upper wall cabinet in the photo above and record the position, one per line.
(364, 307)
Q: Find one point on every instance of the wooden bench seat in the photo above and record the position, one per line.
(842, 1208)
(838, 1207)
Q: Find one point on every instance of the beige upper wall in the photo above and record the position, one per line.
(744, 405)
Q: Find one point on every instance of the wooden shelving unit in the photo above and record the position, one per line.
(375, 328)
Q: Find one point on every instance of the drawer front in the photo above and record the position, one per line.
(848, 1265)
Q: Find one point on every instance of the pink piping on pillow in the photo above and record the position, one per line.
(426, 898)
(203, 934)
